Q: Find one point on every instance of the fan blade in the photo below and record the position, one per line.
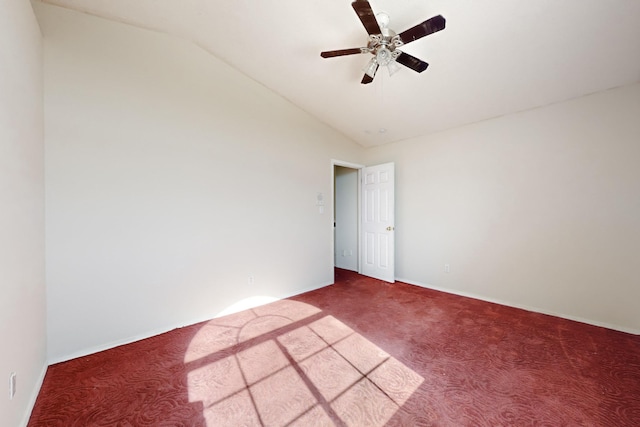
(341, 52)
(429, 26)
(412, 62)
(366, 15)
(366, 79)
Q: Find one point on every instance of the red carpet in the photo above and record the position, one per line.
(359, 353)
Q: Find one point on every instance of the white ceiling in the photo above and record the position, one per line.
(494, 58)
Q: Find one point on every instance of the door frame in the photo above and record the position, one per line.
(359, 168)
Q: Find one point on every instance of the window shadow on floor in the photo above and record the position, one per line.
(288, 363)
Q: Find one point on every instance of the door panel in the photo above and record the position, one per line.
(378, 216)
(383, 244)
(370, 248)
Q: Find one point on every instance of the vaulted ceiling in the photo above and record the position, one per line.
(494, 57)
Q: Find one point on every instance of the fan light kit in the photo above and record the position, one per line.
(383, 42)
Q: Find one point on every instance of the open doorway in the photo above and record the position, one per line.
(363, 215)
(346, 211)
(345, 217)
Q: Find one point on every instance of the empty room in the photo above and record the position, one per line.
(281, 213)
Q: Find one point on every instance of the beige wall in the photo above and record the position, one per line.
(22, 287)
(539, 209)
(171, 179)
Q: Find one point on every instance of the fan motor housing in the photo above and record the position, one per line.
(383, 45)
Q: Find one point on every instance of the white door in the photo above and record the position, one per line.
(377, 224)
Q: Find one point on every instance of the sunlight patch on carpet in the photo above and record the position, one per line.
(287, 363)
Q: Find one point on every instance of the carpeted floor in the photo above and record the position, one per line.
(359, 353)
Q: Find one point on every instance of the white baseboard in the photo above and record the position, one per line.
(154, 332)
(112, 344)
(34, 396)
(524, 307)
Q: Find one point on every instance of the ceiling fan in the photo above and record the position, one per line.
(384, 43)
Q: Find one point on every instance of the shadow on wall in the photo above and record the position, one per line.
(287, 363)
